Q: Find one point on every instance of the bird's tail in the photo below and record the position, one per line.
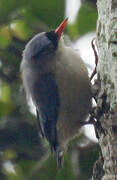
(59, 157)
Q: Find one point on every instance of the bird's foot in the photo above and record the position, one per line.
(91, 119)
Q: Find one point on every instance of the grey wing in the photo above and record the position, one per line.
(47, 104)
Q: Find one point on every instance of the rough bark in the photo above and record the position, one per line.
(106, 166)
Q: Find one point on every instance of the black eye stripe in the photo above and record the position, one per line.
(53, 38)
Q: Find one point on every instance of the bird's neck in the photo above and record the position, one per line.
(61, 45)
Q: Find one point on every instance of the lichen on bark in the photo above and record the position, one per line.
(106, 41)
(107, 47)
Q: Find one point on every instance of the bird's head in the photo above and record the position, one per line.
(44, 44)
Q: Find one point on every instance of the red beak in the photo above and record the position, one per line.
(61, 28)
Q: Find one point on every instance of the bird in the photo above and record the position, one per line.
(56, 78)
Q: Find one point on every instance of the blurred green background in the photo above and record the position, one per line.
(23, 156)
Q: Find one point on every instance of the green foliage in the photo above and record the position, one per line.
(20, 29)
(49, 12)
(5, 37)
(49, 171)
(6, 104)
(91, 154)
(66, 172)
(87, 19)
(85, 22)
(45, 10)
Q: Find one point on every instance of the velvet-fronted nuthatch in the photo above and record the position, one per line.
(57, 80)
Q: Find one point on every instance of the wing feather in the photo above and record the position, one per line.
(47, 104)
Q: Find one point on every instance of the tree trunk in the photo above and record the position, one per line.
(106, 40)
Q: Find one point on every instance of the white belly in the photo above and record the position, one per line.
(75, 95)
